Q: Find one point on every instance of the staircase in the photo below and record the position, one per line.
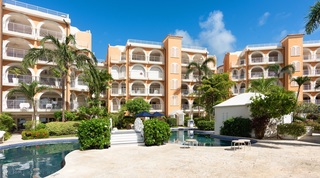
(121, 137)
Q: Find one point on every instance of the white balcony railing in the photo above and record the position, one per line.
(156, 107)
(138, 91)
(20, 28)
(307, 87)
(155, 58)
(51, 81)
(185, 107)
(46, 32)
(256, 74)
(16, 52)
(273, 59)
(138, 57)
(18, 104)
(257, 59)
(155, 91)
(50, 104)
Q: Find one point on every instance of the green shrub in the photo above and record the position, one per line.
(197, 119)
(28, 125)
(292, 129)
(40, 126)
(172, 122)
(206, 125)
(68, 115)
(35, 134)
(6, 124)
(297, 118)
(316, 127)
(237, 126)
(94, 134)
(62, 128)
(156, 132)
(186, 119)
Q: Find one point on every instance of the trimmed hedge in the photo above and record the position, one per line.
(156, 132)
(62, 128)
(34, 134)
(205, 125)
(292, 129)
(172, 122)
(237, 126)
(94, 134)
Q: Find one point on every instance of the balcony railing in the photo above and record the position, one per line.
(256, 74)
(19, 104)
(46, 32)
(306, 57)
(317, 71)
(306, 72)
(21, 28)
(155, 91)
(138, 91)
(185, 107)
(51, 81)
(271, 74)
(37, 8)
(155, 106)
(317, 56)
(317, 101)
(307, 87)
(257, 59)
(12, 78)
(16, 52)
(184, 91)
(138, 57)
(185, 61)
(50, 104)
(115, 91)
(155, 58)
(235, 77)
(273, 59)
(242, 90)
(242, 76)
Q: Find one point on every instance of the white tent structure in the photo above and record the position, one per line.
(234, 107)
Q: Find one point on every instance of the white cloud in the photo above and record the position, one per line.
(213, 35)
(263, 18)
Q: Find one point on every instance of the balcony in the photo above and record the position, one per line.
(156, 91)
(156, 107)
(45, 32)
(185, 61)
(16, 52)
(20, 28)
(307, 87)
(317, 72)
(273, 59)
(50, 105)
(256, 59)
(115, 107)
(185, 107)
(155, 59)
(117, 91)
(138, 91)
(184, 91)
(18, 104)
(138, 57)
(306, 72)
(271, 74)
(14, 79)
(235, 77)
(306, 57)
(317, 101)
(242, 77)
(256, 74)
(50, 81)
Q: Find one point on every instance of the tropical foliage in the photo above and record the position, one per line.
(300, 81)
(273, 104)
(215, 90)
(137, 105)
(313, 18)
(262, 85)
(65, 55)
(156, 132)
(237, 126)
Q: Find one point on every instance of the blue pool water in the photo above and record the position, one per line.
(179, 136)
(34, 161)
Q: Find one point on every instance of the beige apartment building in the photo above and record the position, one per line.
(22, 27)
(155, 71)
(249, 64)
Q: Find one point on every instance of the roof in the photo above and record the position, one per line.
(239, 100)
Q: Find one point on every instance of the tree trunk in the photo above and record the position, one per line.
(63, 96)
(260, 125)
(34, 119)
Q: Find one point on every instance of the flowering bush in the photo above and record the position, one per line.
(34, 134)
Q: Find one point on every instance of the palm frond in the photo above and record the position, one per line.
(313, 18)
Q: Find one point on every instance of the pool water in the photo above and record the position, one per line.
(203, 139)
(34, 161)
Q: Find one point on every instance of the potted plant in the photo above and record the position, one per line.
(16, 71)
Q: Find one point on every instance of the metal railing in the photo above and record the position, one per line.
(16, 52)
(138, 57)
(184, 91)
(185, 107)
(257, 59)
(155, 90)
(263, 45)
(12, 78)
(51, 81)
(21, 28)
(144, 42)
(155, 58)
(50, 104)
(193, 47)
(37, 8)
(45, 32)
(155, 106)
(256, 74)
(138, 91)
(18, 104)
(273, 59)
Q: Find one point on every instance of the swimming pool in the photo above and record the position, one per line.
(203, 138)
(38, 160)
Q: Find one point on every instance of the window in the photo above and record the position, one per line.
(174, 68)
(295, 51)
(174, 100)
(174, 51)
(293, 83)
(174, 84)
(296, 65)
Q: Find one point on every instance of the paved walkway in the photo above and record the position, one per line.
(267, 158)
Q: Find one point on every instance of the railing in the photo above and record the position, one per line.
(306, 57)
(137, 74)
(306, 72)
(306, 100)
(21, 28)
(15, 52)
(155, 90)
(184, 91)
(155, 106)
(263, 45)
(155, 75)
(242, 90)
(138, 91)
(51, 81)
(46, 32)
(193, 47)
(236, 77)
(235, 90)
(273, 59)
(115, 91)
(317, 71)
(144, 42)
(317, 101)
(257, 59)
(271, 74)
(155, 58)
(256, 74)
(37, 8)
(185, 76)
(317, 56)
(12, 78)
(311, 41)
(81, 82)
(50, 104)
(242, 76)
(185, 61)
(307, 87)
(138, 57)
(19, 104)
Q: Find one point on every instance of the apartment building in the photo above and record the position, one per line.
(22, 27)
(249, 64)
(155, 71)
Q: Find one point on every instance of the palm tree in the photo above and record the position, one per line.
(29, 91)
(313, 18)
(262, 85)
(202, 70)
(64, 55)
(300, 81)
(287, 69)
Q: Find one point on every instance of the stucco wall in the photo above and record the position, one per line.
(224, 113)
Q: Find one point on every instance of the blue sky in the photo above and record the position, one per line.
(219, 25)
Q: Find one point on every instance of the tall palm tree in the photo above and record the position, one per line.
(64, 55)
(300, 81)
(202, 70)
(29, 91)
(287, 69)
(262, 85)
(313, 18)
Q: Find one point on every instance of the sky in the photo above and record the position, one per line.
(219, 25)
